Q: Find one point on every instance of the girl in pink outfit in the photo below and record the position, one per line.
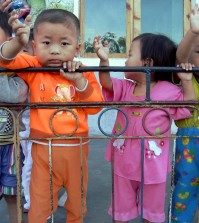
(146, 50)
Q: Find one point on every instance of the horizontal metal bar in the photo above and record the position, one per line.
(163, 104)
(108, 68)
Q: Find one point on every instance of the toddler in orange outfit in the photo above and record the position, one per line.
(56, 43)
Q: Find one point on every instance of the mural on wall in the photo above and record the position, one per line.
(106, 24)
(38, 5)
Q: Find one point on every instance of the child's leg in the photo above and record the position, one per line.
(26, 171)
(8, 180)
(40, 194)
(186, 190)
(123, 206)
(154, 196)
(76, 202)
(11, 201)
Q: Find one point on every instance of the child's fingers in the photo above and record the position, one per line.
(13, 18)
(72, 65)
(186, 66)
(28, 20)
(5, 5)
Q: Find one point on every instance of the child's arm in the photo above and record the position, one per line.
(102, 53)
(14, 89)
(186, 45)
(10, 49)
(186, 82)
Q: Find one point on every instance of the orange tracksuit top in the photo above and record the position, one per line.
(52, 87)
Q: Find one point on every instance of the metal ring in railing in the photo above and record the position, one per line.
(61, 110)
(112, 135)
(144, 120)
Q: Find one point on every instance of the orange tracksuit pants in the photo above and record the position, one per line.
(66, 172)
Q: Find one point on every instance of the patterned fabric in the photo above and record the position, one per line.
(186, 191)
(7, 170)
(9, 124)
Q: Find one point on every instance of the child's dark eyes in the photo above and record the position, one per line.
(65, 43)
(196, 51)
(46, 42)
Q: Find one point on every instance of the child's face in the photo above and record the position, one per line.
(55, 43)
(134, 59)
(3, 36)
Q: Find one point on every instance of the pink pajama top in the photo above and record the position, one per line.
(127, 152)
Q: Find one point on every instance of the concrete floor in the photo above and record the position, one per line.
(99, 189)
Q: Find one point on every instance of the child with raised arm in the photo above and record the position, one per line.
(146, 50)
(56, 43)
(186, 178)
(13, 90)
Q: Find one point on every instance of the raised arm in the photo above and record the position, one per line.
(10, 49)
(186, 82)
(186, 45)
(102, 53)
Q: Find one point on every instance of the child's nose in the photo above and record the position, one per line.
(55, 50)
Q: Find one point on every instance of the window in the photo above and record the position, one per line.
(119, 21)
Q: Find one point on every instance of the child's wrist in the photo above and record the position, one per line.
(81, 84)
(1, 53)
(104, 62)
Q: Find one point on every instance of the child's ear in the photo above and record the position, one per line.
(33, 45)
(148, 62)
(78, 47)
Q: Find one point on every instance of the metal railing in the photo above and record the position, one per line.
(161, 105)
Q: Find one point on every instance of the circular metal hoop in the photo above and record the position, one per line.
(112, 135)
(68, 110)
(144, 119)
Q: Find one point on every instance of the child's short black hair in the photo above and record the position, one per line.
(58, 16)
(4, 24)
(161, 49)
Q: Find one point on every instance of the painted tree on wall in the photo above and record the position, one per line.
(116, 45)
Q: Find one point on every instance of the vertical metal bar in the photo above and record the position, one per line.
(142, 180)
(82, 181)
(18, 165)
(148, 81)
(172, 179)
(112, 176)
(51, 180)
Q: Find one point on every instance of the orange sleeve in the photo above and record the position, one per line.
(21, 61)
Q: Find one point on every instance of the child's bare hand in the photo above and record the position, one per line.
(186, 76)
(72, 66)
(102, 51)
(194, 19)
(21, 30)
(5, 5)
